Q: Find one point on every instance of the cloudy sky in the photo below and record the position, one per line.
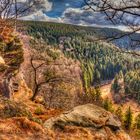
(69, 11)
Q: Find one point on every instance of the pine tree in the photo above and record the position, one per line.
(116, 86)
(98, 93)
(137, 121)
(119, 113)
(128, 119)
(92, 93)
(121, 74)
(97, 76)
(107, 104)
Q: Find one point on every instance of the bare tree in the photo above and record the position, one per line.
(51, 77)
(36, 84)
(119, 12)
(10, 11)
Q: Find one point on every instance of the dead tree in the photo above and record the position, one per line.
(36, 84)
(50, 78)
(117, 12)
(11, 10)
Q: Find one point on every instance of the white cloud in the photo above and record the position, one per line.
(47, 5)
(76, 16)
(41, 16)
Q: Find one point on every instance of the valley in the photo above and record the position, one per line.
(69, 70)
(99, 61)
(58, 72)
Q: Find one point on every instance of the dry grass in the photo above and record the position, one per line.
(19, 125)
(49, 113)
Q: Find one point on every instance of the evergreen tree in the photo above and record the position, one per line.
(98, 94)
(116, 86)
(132, 84)
(119, 113)
(128, 119)
(137, 121)
(107, 104)
(92, 93)
(85, 79)
(97, 76)
(121, 75)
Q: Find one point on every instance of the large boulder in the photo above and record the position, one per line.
(97, 121)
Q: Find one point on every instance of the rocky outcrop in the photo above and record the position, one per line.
(11, 57)
(98, 122)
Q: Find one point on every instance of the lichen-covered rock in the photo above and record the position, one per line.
(95, 120)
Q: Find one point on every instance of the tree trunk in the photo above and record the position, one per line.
(35, 93)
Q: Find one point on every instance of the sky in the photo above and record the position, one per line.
(68, 11)
(71, 12)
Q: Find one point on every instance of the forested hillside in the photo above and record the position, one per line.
(100, 61)
(54, 30)
(132, 84)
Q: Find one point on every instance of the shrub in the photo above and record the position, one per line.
(13, 109)
(37, 120)
(39, 111)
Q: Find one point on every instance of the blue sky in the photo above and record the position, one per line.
(68, 11)
(59, 6)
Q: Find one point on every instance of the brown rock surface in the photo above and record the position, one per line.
(89, 121)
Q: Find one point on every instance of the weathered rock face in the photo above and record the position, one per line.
(95, 120)
(10, 60)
